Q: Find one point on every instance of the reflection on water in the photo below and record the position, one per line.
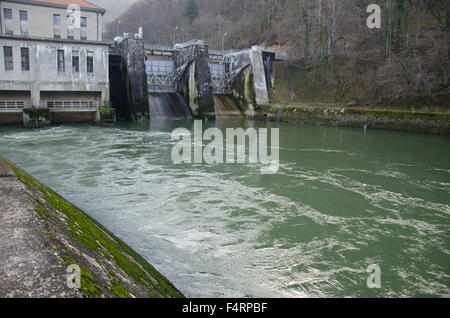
(342, 200)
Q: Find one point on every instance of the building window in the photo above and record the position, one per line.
(70, 34)
(75, 61)
(70, 27)
(25, 58)
(23, 15)
(60, 60)
(8, 56)
(90, 63)
(23, 22)
(56, 19)
(57, 26)
(83, 24)
(7, 13)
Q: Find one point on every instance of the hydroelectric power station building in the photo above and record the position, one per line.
(52, 57)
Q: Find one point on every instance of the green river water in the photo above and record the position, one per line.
(341, 201)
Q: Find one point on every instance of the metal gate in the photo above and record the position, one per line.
(161, 77)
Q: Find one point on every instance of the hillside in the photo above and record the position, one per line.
(332, 55)
(113, 8)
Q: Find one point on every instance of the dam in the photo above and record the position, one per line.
(189, 80)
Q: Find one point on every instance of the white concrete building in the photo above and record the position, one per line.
(52, 55)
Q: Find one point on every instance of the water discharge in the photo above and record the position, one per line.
(342, 200)
(173, 106)
(168, 105)
(226, 107)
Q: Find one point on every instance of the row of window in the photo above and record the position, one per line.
(70, 19)
(9, 60)
(23, 16)
(60, 60)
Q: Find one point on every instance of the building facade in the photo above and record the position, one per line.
(52, 55)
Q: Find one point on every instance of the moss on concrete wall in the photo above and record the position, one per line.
(107, 114)
(36, 117)
(109, 267)
(243, 90)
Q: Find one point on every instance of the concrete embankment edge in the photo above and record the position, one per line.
(42, 234)
(397, 120)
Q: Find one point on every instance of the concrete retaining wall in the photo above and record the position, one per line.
(73, 117)
(41, 234)
(12, 118)
(436, 123)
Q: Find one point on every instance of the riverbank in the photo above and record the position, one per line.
(41, 234)
(398, 120)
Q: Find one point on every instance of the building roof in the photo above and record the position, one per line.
(81, 3)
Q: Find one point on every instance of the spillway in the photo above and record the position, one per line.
(168, 105)
(226, 107)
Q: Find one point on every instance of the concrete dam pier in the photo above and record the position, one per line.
(188, 80)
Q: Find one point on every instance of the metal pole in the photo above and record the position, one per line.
(223, 40)
(174, 33)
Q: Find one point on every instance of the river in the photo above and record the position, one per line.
(341, 201)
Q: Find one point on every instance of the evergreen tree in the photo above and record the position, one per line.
(191, 10)
(447, 15)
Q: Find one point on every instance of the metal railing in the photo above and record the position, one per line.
(220, 59)
(162, 83)
(67, 104)
(16, 104)
(55, 104)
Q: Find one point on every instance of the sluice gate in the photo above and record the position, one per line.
(168, 105)
(226, 107)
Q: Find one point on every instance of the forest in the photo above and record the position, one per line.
(329, 54)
